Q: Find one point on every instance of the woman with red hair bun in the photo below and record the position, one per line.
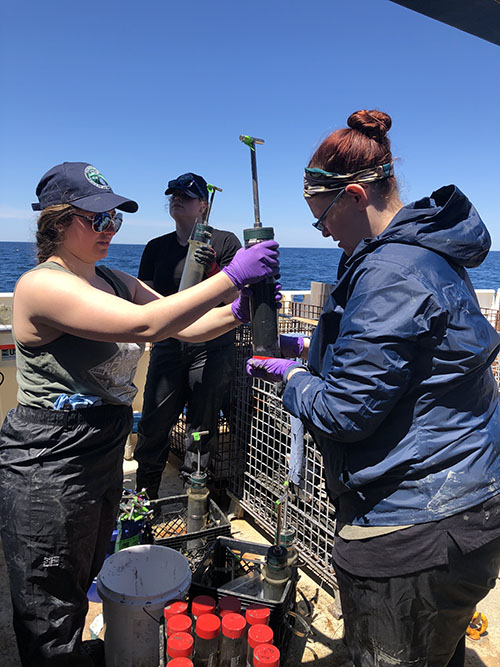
(399, 395)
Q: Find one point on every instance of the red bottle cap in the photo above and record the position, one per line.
(202, 604)
(179, 623)
(256, 613)
(229, 605)
(180, 645)
(260, 634)
(175, 607)
(180, 662)
(208, 626)
(266, 655)
(233, 625)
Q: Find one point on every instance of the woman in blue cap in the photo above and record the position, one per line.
(400, 398)
(79, 331)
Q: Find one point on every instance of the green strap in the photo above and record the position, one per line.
(248, 141)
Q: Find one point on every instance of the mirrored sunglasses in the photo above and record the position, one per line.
(101, 222)
(186, 182)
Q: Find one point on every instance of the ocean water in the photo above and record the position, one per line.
(299, 266)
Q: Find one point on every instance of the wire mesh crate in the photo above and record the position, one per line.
(493, 317)
(260, 467)
(219, 467)
(308, 508)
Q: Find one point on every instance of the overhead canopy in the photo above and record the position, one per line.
(478, 17)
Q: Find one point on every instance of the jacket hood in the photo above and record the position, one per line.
(446, 222)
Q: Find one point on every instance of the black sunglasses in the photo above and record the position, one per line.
(101, 222)
(318, 224)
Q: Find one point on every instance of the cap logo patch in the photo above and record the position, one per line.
(96, 178)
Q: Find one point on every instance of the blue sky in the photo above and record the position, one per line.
(148, 90)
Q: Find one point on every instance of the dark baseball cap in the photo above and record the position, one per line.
(191, 184)
(82, 185)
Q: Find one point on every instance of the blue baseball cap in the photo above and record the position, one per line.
(82, 185)
(192, 185)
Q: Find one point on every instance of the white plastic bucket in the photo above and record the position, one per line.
(134, 585)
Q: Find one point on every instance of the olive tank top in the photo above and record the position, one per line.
(73, 365)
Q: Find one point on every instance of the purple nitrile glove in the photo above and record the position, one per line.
(241, 306)
(291, 346)
(271, 368)
(251, 265)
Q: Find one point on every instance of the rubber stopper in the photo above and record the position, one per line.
(260, 634)
(266, 655)
(233, 626)
(208, 626)
(202, 604)
(180, 645)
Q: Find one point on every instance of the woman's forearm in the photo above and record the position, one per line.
(216, 322)
(176, 314)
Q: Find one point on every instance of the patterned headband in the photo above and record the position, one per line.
(317, 181)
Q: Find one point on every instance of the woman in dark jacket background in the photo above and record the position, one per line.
(399, 396)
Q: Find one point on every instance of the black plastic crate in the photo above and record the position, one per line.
(227, 559)
(168, 527)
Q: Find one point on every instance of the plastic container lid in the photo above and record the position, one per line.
(147, 574)
(233, 625)
(175, 607)
(180, 662)
(265, 655)
(260, 634)
(179, 623)
(208, 626)
(256, 613)
(202, 604)
(229, 605)
(180, 645)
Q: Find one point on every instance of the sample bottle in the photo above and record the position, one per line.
(206, 640)
(248, 584)
(193, 271)
(276, 573)
(266, 655)
(175, 607)
(180, 662)
(228, 605)
(179, 645)
(257, 635)
(231, 641)
(197, 506)
(202, 604)
(178, 623)
(287, 540)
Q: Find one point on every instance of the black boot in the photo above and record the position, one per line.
(148, 483)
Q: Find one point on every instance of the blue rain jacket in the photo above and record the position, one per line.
(400, 397)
